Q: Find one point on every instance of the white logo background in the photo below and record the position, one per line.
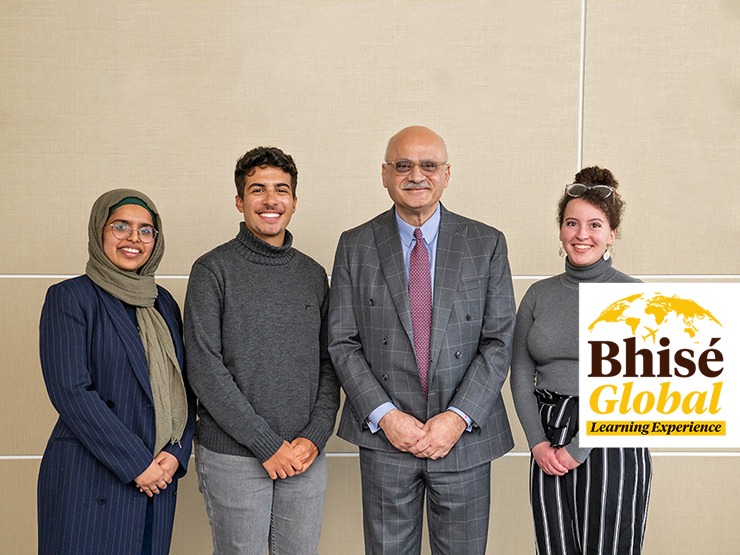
(720, 300)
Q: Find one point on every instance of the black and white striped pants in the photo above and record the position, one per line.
(598, 508)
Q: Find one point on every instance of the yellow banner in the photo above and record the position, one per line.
(655, 428)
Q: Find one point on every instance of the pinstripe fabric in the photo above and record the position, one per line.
(559, 416)
(96, 375)
(371, 344)
(599, 508)
(371, 337)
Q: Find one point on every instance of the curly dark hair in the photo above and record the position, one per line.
(612, 206)
(260, 157)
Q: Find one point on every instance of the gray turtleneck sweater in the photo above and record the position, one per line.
(545, 352)
(256, 348)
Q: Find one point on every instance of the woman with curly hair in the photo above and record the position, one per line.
(584, 501)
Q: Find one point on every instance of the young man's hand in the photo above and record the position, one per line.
(283, 463)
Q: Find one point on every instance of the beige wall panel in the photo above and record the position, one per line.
(662, 111)
(510, 528)
(165, 95)
(336, 444)
(27, 413)
(693, 507)
(192, 533)
(25, 407)
(341, 530)
(18, 507)
(177, 287)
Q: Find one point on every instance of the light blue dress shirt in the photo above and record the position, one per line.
(430, 232)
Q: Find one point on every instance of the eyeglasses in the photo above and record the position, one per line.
(121, 231)
(427, 167)
(578, 189)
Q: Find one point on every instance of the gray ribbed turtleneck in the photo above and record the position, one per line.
(545, 352)
(256, 347)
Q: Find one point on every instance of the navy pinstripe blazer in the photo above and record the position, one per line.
(96, 375)
(371, 341)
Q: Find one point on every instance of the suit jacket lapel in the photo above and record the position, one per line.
(130, 337)
(390, 252)
(450, 247)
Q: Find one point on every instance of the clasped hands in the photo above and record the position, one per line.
(553, 460)
(158, 474)
(430, 440)
(292, 458)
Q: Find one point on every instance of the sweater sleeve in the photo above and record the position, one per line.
(523, 374)
(324, 413)
(523, 379)
(209, 377)
(576, 451)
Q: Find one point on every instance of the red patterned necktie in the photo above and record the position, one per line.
(420, 297)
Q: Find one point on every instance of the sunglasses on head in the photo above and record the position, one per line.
(578, 189)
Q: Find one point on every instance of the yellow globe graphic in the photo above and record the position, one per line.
(634, 309)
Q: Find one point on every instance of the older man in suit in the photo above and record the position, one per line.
(420, 327)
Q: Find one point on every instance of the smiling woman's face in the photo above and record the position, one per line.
(128, 254)
(585, 232)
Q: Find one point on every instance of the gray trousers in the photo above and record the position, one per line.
(394, 485)
(249, 512)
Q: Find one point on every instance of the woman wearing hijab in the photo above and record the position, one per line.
(111, 354)
(584, 501)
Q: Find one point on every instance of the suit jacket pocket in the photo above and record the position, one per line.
(472, 283)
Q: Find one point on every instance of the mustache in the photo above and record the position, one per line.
(411, 185)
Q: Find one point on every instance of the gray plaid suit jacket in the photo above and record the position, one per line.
(371, 342)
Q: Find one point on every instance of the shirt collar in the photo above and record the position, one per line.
(429, 229)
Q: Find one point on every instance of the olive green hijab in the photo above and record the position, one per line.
(139, 289)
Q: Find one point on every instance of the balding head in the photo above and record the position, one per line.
(414, 134)
(416, 193)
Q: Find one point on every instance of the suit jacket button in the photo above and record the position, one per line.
(371, 302)
(385, 377)
(469, 317)
(458, 354)
(385, 341)
(110, 404)
(101, 500)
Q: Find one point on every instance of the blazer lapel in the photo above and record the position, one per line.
(129, 337)
(388, 243)
(450, 247)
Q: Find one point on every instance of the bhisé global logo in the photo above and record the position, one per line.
(659, 365)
